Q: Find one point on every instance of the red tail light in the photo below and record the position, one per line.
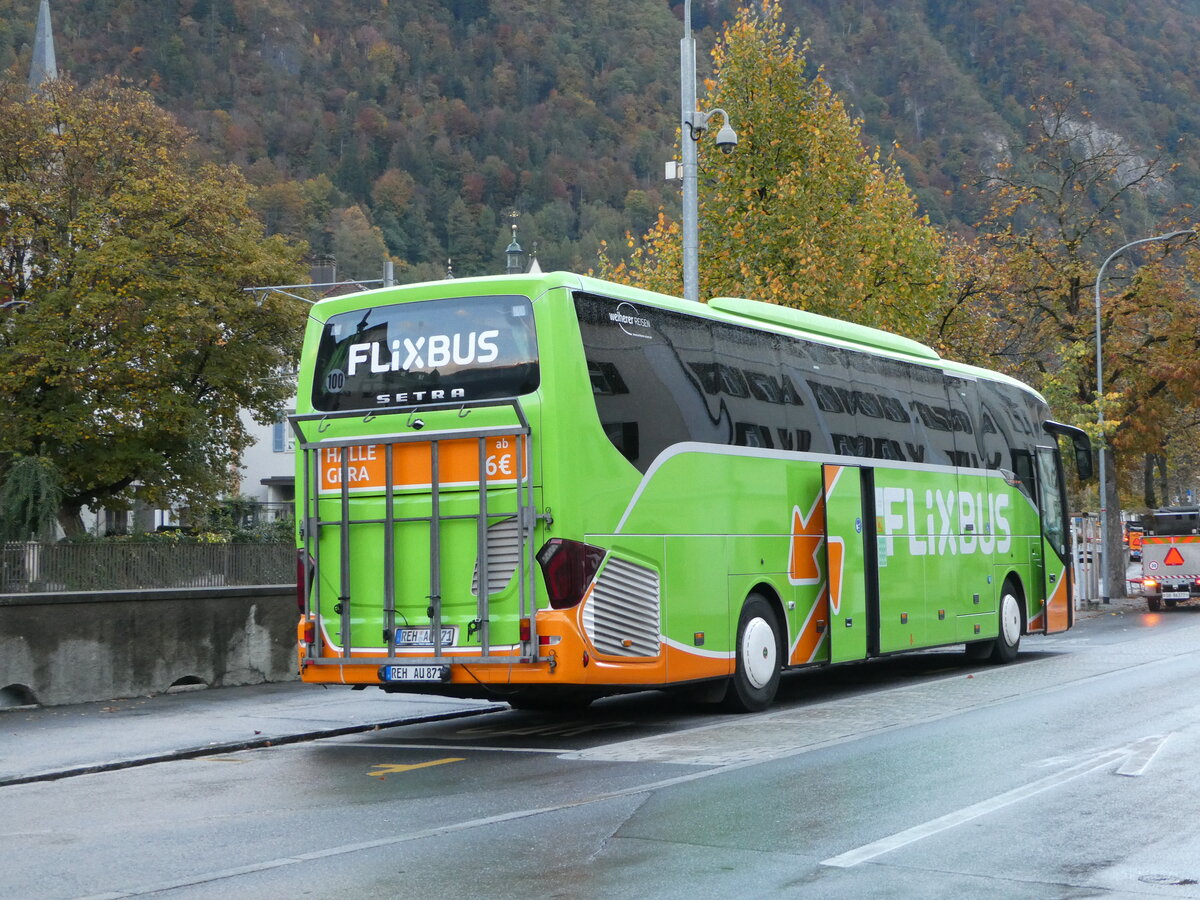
(568, 567)
(304, 567)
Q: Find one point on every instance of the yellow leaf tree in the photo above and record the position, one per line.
(801, 213)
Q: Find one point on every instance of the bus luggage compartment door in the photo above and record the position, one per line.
(849, 535)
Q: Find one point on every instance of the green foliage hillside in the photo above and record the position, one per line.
(419, 125)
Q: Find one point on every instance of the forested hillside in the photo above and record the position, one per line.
(420, 125)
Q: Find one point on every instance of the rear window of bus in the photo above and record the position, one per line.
(428, 352)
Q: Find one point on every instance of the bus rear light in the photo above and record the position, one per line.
(310, 632)
(526, 629)
(304, 567)
(568, 568)
(547, 640)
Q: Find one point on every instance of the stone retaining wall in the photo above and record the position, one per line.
(76, 647)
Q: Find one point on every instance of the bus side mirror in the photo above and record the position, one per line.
(1082, 444)
(1083, 459)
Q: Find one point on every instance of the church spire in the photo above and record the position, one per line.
(43, 68)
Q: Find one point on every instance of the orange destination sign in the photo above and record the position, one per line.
(458, 464)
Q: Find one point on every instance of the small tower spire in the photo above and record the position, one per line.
(513, 253)
(43, 68)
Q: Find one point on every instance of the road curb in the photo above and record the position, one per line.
(236, 746)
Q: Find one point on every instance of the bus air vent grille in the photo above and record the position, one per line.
(503, 554)
(622, 616)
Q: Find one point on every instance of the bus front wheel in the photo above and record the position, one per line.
(1008, 641)
(756, 675)
(1004, 648)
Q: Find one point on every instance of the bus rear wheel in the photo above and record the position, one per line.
(757, 655)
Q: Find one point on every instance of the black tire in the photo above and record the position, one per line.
(1012, 622)
(758, 655)
(1154, 604)
(980, 651)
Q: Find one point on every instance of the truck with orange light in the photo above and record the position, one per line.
(1171, 557)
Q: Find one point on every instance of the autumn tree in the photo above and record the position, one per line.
(801, 213)
(1058, 209)
(127, 345)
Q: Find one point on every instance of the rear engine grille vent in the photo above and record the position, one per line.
(622, 615)
(503, 555)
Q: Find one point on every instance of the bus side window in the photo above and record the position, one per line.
(624, 436)
(933, 421)
(1023, 472)
(605, 378)
(1053, 515)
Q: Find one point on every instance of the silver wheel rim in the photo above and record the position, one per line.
(758, 652)
(1010, 620)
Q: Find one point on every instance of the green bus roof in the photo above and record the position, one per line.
(819, 325)
(814, 325)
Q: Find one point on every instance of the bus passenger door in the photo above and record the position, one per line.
(1056, 567)
(849, 535)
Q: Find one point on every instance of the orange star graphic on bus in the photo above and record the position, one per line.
(808, 534)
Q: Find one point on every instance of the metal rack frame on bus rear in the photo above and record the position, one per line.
(311, 523)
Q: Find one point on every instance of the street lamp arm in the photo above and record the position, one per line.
(1120, 250)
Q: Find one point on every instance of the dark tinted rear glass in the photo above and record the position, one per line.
(433, 351)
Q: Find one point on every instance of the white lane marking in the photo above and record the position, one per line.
(953, 820)
(1143, 752)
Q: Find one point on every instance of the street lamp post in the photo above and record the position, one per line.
(1103, 583)
(695, 123)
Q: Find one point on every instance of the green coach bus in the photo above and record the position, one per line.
(549, 488)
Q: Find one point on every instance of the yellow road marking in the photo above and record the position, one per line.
(392, 769)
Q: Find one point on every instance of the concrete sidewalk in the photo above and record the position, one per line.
(39, 744)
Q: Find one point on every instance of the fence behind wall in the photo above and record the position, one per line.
(30, 567)
(1086, 534)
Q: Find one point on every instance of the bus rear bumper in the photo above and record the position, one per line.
(566, 660)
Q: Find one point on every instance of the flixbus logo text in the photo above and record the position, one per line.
(425, 353)
(942, 523)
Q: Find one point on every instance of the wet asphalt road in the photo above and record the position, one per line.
(1067, 774)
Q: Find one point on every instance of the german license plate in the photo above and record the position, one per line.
(1176, 595)
(414, 673)
(423, 637)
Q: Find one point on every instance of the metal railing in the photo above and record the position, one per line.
(30, 567)
(342, 524)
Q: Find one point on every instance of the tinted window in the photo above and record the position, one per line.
(963, 395)
(661, 378)
(885, 425)
(433, 351)
(933, 419)
(1007, 410)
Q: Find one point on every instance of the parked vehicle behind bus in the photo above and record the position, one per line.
(548, 488)
(1171, 557)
